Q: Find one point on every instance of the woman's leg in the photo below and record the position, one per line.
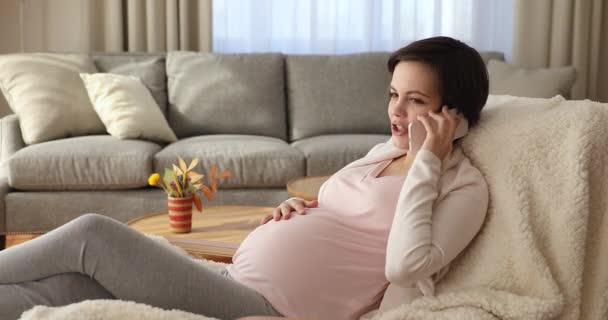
(130, 266)
(58, 290)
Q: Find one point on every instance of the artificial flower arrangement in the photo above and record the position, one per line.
(183, 182)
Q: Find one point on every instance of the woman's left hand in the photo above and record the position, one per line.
(440, 128)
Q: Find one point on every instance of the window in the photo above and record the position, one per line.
(347, 26)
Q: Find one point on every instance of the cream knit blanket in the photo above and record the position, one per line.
(543, 250)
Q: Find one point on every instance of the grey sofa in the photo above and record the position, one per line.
(266, 117)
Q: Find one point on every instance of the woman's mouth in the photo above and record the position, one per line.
(398, 130)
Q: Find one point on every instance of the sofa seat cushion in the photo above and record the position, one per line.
(255, 161)
(329, 153)
(82, 163)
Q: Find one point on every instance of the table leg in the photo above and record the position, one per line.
(2, 241)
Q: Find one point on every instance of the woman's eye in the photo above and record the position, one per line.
(416, 100)
(392, 95)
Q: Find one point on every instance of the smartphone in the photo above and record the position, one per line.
(417, 132)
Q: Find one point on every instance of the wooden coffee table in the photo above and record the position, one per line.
(216, 233)
(306, 188)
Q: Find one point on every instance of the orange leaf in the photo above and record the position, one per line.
(224, 174)
(214, 185)
(213, 172)
(198, 203)
(207, 192)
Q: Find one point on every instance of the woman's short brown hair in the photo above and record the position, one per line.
(462, 73)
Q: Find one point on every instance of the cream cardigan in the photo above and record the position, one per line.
(441, 207)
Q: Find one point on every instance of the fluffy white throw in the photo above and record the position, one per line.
(543, 250)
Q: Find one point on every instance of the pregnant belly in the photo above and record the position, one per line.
(318, 260)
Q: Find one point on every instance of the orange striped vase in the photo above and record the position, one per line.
(180, 214)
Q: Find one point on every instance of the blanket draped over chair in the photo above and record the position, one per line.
(543, 250)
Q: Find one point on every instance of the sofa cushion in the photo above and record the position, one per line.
(328, 153)
(514, 80)
(82, 163)
(226, 94)
(45, 91)
(150, 69)
(255, 161)
(491, 55)
(126, 107)
(337, 94)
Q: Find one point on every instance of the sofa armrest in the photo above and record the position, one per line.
(10, 140)
(4, 189)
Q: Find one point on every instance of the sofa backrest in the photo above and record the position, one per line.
(285, 96)
(329, 94)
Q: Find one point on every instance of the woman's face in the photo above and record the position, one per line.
(414, 91)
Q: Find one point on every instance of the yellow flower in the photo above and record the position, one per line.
(153, 179)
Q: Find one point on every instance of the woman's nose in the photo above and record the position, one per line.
(399, 113)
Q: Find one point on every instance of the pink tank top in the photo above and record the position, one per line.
(328, 263)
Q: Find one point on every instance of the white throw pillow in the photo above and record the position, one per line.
(507, 79)
(127, 108)
(47, 95)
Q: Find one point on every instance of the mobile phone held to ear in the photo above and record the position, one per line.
(417, 132)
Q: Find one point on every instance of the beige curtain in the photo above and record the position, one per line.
(117, 25)
(552, 33)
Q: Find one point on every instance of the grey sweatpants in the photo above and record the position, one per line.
(96, 257)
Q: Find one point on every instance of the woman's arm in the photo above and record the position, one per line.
(425, 235)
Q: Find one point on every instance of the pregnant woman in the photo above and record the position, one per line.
(382, 233)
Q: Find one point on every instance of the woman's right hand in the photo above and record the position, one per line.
(298, 205)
